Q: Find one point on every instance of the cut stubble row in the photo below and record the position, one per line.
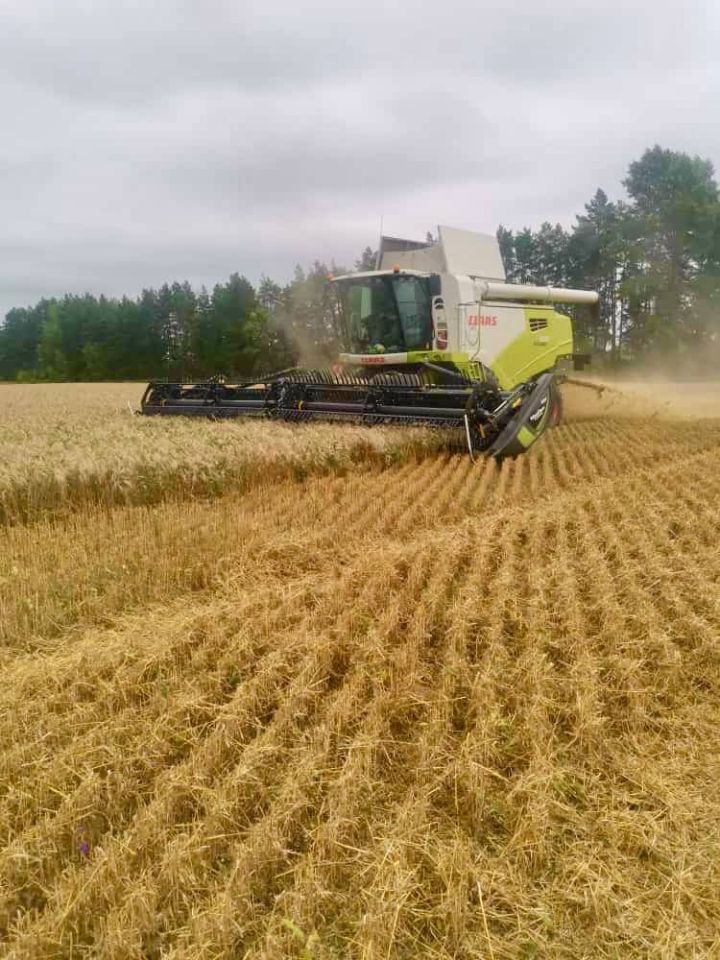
(435, 710)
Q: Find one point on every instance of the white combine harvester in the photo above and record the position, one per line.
(436, 336)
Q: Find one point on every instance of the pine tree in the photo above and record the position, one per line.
(675, 202)
(52, 362)
(367, 260)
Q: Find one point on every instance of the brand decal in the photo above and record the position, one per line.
(537, 415)
(482, 320)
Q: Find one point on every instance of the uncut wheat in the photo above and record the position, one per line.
(63, 446)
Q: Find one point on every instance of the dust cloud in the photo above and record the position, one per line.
(664, 399)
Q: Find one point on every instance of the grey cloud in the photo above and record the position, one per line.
(144, 142)
(127, 53)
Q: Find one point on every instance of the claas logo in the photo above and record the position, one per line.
(482, 320)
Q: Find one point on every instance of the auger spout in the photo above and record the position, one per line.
(492, 290)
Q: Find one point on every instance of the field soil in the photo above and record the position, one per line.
(404, 707)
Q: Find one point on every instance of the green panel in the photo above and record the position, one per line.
(457, 360)
(454, 361)
(526, 436)
(534, 352)
(436, 356)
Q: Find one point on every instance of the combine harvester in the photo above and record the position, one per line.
(434, 336)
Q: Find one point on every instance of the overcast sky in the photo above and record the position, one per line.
(186, 139)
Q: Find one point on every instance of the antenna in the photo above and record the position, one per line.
(378, 255)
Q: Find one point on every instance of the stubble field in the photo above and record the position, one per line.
(356, 697)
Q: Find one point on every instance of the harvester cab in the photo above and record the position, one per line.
(435, 335)
(447, 303)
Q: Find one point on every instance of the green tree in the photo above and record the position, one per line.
(52, 362)
(675, 202)
(506, 242)
(525, 257)
(595, 255)
(269, 294)
(367, 260)
(19, 336)
(233, 328)
(551, 256)
(309, 314)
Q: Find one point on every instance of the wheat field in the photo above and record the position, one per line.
(385, 704)
(68, 446)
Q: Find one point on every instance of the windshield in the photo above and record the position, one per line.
(388, 314)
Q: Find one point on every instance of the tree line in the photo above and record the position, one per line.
(654, 258)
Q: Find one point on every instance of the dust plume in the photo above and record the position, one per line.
(656, 398)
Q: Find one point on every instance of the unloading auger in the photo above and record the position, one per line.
(434, 336)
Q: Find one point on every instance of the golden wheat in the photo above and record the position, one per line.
(66, 446)
(436, 710)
